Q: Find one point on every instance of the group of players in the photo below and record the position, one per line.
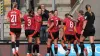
(74, 30)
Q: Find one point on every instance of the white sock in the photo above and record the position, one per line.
(38, 54)
(17, 49)
(13, 50)
(33, 53)
(48, 54)
(27, 53)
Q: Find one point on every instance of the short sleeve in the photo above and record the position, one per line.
(86, 16)
(51, 20)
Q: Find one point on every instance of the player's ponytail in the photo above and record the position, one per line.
(30, 12)
(15, 5)
(81, 12)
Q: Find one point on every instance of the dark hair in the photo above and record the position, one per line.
(51, 11)
(30, 12)
(70, 15)
(87, 6)
(39, 7)
(67, 14)
(81, 12)
(14, 4)
(55, 10)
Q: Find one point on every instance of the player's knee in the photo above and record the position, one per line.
(56, 46)
(48, 46)
(30, 40)
(75, 42)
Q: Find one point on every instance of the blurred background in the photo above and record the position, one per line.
(63, 6)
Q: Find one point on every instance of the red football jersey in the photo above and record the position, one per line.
(29, 22)
(55, 20)
(38, 22)
(69, 25)
(14, 17)
(79, 25)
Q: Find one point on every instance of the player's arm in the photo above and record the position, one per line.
(50, 26)
(71, 17)
(84, 24)
(60, 23)
(8, 19)
(85, 21)
(40, 20)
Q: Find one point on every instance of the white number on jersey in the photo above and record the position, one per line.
(71, 24)
(29, 22)
(13, 18)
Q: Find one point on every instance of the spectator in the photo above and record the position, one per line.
(45, 16)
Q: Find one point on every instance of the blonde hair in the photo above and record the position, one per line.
(14, 4)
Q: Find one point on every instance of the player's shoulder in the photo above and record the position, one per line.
(65, 19)
(25, 16)
(17, 10)
(87, 13)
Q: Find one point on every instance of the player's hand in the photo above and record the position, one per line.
(82, 32)
(47, 30)
(76, 11)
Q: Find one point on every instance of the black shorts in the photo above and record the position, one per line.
(78, 35)
(29, 32)
(16, 31)
(55, 35)
(69, 37)
(90, 32)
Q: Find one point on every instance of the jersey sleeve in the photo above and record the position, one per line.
(86, 16)
(51, 20)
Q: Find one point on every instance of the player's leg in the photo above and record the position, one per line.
(91, 38)
(68, 48)
(56, 46)
(48, 46)
(63, 45)
(56, 37)
(13, 38)
(29, 49)
(29, 46)
(85, 50)
(69, 38)
(17, 40)
(82, 45)
(37, 45)
(75, 47)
